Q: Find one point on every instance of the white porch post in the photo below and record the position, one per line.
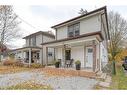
(46, 55)
(94, 56)
(41, 56)
(22, 52)
(29, 56)
(54, 53)
(16, 55)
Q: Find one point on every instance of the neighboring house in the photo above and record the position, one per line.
(32, 51)
(82, 38)
(3, 47)
(3, 51)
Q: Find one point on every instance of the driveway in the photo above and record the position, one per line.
(56, 82)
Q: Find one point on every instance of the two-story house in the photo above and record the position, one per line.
(82, 38)
(32, 51)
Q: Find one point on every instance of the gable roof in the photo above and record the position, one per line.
(46, 33)
(94, 11)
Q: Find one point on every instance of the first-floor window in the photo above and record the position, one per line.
(49, 54)
(37, 55)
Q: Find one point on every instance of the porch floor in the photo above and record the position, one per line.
(51, 70)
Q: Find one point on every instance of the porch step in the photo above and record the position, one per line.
(104, 84)
(99, 73)
(102, 76)
(108, 79)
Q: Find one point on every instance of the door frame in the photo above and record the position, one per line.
(65, 53)
(86, 56)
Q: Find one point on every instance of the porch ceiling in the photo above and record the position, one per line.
(76, 42)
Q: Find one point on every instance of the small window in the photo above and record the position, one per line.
(90, 50)
(77, 33)
(34, 41)
(49, 54)
(71, 34)
(76, 29)
(37, 56)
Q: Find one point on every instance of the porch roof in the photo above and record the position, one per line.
(80, 38)
(26, 48)
(46, 33)
(75, 42)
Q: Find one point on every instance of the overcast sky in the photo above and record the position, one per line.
(42, 17)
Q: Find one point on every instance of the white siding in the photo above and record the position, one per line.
(104, 28)
(44, 55)
(62, 32)
(51, 58)
(103, 55)
(38, 40)
(97, 56)
(91, 24)
(20, 55)
(87, 25)
(47, 39)
(27, 42)
(77, 53)
(59, 53)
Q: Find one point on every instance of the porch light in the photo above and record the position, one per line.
(67, 46)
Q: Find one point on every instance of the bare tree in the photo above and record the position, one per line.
(82, 11)
(8, 24)
(118, 35)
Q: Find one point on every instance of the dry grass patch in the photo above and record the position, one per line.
(97, 87)
(12, 69)
(29, 85)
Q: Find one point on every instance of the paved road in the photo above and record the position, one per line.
(65, 83)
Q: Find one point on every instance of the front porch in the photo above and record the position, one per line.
(86, 50)
(28, 55)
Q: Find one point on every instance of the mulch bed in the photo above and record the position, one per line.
(67, 72)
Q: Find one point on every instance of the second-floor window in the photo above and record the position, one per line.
(73, 30)
(34, 41)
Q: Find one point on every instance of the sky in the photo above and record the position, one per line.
(41, 17)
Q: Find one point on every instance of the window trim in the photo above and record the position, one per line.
(73, 30)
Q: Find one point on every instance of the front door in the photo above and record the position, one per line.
(89, 57)
(67, 54)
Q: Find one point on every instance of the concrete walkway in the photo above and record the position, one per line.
(65, 83)
(125, 72)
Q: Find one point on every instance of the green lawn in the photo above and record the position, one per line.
(119, 81)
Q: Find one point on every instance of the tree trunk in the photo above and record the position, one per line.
(113, 67)
(0, 57)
